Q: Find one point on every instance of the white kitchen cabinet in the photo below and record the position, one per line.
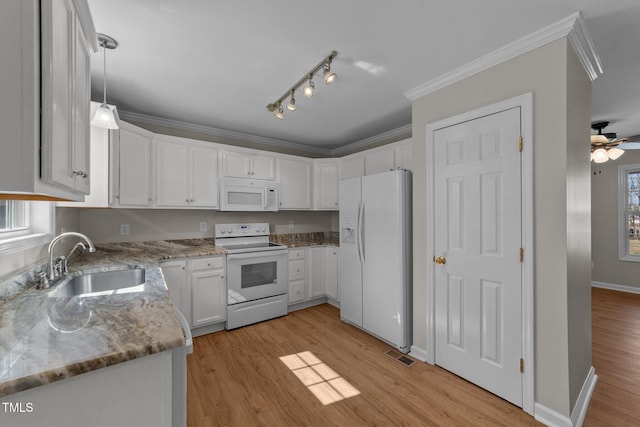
(186, 174)
(294, 184)
(351, 166)
(297, 274)
(246, 165)
(177, 280)
(316, 272)
(45, 97)
(325, 184)
(331, 273)
(208, 291)
(131, 167)
(379, 160)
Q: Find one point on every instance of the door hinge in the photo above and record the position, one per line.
(521, 254)
(520, 144)
(522, 365)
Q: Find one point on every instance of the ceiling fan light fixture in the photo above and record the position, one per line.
(600, 155)
(599, 139)
(615, 153)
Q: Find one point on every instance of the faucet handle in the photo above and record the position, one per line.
(60, 266)
(43, 281)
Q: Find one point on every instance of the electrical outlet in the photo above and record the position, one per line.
(291, 224)
(124, 229)
(203, 227)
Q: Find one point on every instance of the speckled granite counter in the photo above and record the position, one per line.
(45, 339)
(297, 240)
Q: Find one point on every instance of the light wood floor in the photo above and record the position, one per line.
(237, 379)
(616, 359)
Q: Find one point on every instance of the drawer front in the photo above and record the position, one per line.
(296, 269)
(296, 291)
(207, 263)
(296, 253)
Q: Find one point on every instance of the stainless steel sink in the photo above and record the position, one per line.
(102, 283)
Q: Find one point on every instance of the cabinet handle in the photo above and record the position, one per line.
(81, 174)
(222, 277)
(149, 199)
(186, 200)
(192, 200)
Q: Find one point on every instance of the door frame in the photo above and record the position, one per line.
(525, 102)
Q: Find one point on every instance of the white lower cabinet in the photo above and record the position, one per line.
(331, 273)
(198, 289)
(316, 272)
(297, 274)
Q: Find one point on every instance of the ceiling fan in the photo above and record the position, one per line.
(607, 146)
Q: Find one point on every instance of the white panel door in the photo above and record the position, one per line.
(478, 235)
(209, 299)
(172, 174)
(204, 177)
(316, 272)
(263, 167)
(134, 169)
(295, 184)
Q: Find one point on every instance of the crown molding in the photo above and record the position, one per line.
(572, 26)
(397, 134)
(221, 133)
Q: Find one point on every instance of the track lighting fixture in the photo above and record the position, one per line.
(329, 77)
(292, 103)
(308, 89)
(104, 117)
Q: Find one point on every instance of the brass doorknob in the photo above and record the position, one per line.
(440, 260)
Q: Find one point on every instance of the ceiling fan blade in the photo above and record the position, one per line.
(630, 145)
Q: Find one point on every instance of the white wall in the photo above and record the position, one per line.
(560, 177)
(607, 267)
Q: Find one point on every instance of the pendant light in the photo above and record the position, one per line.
(104, 117)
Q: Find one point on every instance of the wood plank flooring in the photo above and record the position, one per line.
(616, 359)
(236, 378)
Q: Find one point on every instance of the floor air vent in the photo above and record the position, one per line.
(406, 361)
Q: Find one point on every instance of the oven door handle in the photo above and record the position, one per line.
(260, 254)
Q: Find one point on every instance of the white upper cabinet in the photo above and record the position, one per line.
(351, 167)
(186, 173)
(325, 184)
(246, 165)
(45, 97)
(294, 183)
(380, 160)
(131, 167)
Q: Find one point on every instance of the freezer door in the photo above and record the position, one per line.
(385, 301)
(350, 279)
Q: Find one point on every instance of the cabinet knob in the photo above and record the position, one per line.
(186, 200)
(222, 277)
(192, 200)
(81, 174)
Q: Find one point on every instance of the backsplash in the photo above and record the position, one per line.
(294, 239)
(12, 286)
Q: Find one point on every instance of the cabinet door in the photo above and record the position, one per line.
(331, 273)
(58, 19)
(134, 169)
(295, 184)
(316, 272)
(175, 275)
(404, 156)
(172, 174)
(209, 302)
(379, 161)
(204, 177)
(326, 185)
(81, 110)
(296, 291)
(351, 167)
(263, 167)
(236, 164)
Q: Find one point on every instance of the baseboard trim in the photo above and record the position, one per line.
(582, 404)
(616, 287)
(551, 418)
(418, 353)
(306, 304)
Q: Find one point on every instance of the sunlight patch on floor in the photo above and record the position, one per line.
(320, 379)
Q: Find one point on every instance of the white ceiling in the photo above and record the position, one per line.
(219, 63)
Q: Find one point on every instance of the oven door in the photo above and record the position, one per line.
(255, 275)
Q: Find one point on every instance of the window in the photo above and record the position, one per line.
(25, 224)
(629, 209)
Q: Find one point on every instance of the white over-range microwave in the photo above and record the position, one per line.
(242, 194)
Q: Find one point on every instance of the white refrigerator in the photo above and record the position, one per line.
(375, 255)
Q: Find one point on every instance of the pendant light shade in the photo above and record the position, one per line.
(600, 155)
(104, 117)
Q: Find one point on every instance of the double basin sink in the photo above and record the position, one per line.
(101, 283)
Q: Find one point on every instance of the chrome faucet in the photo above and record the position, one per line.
(59, 267)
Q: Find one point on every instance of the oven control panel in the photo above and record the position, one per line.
(242, 230)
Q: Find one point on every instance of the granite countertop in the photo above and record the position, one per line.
(45, 339)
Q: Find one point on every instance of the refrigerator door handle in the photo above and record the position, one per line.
(358, 234)
(361, 238)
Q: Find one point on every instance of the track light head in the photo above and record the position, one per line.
(308, 89)
(329, 76)
(279, 112)
(292, 103)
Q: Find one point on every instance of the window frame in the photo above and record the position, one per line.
(39, 231)
(623, 238)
